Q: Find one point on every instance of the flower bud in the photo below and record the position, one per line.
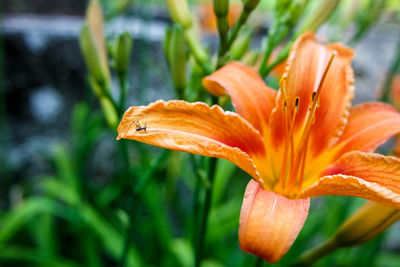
(179, 11)
(92, 43)
(123, 53)
(166, 42)
(317, 15)
(241, 45)
(366, 223)
(221, 7)
(92, 57)
(177, 57)
(250, 4)
(281, 6)
(109, 112)
(195, 47)
(97, 89)
(112, 48)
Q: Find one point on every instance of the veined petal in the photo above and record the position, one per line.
(352, 186)
(369, 125)
(269, 222)
(251, 97)
(195, 128)
(306, 64)
(371, 167)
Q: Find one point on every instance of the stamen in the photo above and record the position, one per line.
(314, 103)
(289, 130)
(301, 153)
(282, 175)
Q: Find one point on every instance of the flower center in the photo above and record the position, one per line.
(295, 155)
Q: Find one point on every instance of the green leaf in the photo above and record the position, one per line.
(183, 251)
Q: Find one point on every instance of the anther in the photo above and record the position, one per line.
(282, 85)
(313, 96)
(284, 105)
(296, 104)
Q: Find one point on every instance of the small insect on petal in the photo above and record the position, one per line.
(139, 128)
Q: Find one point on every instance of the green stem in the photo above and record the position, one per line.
(244, 15)
(128, 236)
(385, 97)
(206, 210)
(109, 96)
(223, 28)
(123, 87)
(259, 262)
(311, 256)
(128, 181)
(135, 193)
(273, 39)
(281, 57)
(226, 43)
(152, 169)
(267, 54)
(197, 51)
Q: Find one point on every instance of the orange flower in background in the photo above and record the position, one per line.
(395, 90)
(299, 142)
(208, 21)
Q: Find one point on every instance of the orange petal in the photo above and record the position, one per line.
(305, 66)
(352, 186)
(252, 99)
(269, 222)
(371, 167)
(195, 128)
(369, 125)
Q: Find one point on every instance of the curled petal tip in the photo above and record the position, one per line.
(269, 222)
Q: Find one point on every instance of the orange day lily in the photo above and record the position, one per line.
(302, 141)
(395, 90)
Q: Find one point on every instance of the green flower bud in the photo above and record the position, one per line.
(241, 45)
(112, 48)
(250, 4)
(179, 11)
(92, 44)
(195, 47)
(123, 53)
(90, 51)
(97, 89)
(221, 7)
(177, 57)
(317, 16)
(281, 6)
(366, 223)
(109, 112)
(166, 42)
